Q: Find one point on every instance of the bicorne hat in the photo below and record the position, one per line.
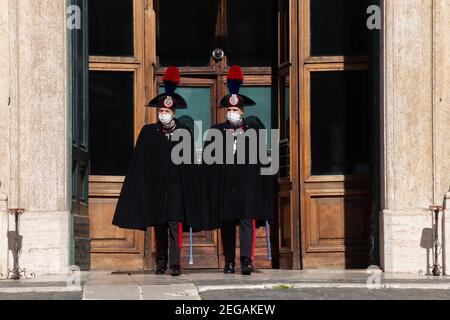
(169, 99)
(235, 79)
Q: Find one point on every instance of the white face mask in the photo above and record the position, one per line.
(234, 118)
(165, 118)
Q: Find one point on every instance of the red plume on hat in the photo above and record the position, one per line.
(169, 98)
(235, 78)
(235, 73)
(171, 79)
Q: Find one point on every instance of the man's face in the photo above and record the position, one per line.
(235, 110)
(163, 111)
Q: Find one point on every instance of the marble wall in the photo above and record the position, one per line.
(34, 128)
(415, 131)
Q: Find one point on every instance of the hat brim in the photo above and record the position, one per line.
(244, 101)
(158, 101)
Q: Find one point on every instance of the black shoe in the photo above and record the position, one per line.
(246, 266)
(176, 271)
(229, 267)
(160, 270)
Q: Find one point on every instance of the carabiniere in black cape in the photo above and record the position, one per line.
(235, 191)
(155, 189)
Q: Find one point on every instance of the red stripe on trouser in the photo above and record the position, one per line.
(180, 238)
(253, 238)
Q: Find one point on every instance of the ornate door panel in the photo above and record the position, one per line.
(112, 248)
(337, 227)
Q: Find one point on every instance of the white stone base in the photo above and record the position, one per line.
(3, 235)
(406, 240)
(46, 242)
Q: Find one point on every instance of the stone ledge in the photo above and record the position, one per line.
(406, 212)
(406, 240)
(46, 241)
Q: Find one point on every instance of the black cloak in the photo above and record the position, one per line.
(155, 189)
(234, 191)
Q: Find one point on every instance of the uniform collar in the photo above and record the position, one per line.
(243, 125)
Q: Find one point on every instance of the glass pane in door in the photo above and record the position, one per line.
(111, 28)
(111, 121)
(338, 27)
(250, 32)
(339, 123)
(284, 32)
(185, 32)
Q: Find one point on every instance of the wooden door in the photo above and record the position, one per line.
(116, 115)
(130, 44)
(187, 33)
(335, 197)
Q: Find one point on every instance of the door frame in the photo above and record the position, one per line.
(79, 148)
(289, 191)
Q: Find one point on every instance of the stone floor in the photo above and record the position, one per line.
(327, 294)
(212, 284)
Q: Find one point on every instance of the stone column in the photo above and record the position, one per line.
(4, 132)
(34, 127)
(441, 100)
(415, 124)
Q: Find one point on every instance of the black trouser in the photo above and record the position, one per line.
(246, 237)
(174, 243)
